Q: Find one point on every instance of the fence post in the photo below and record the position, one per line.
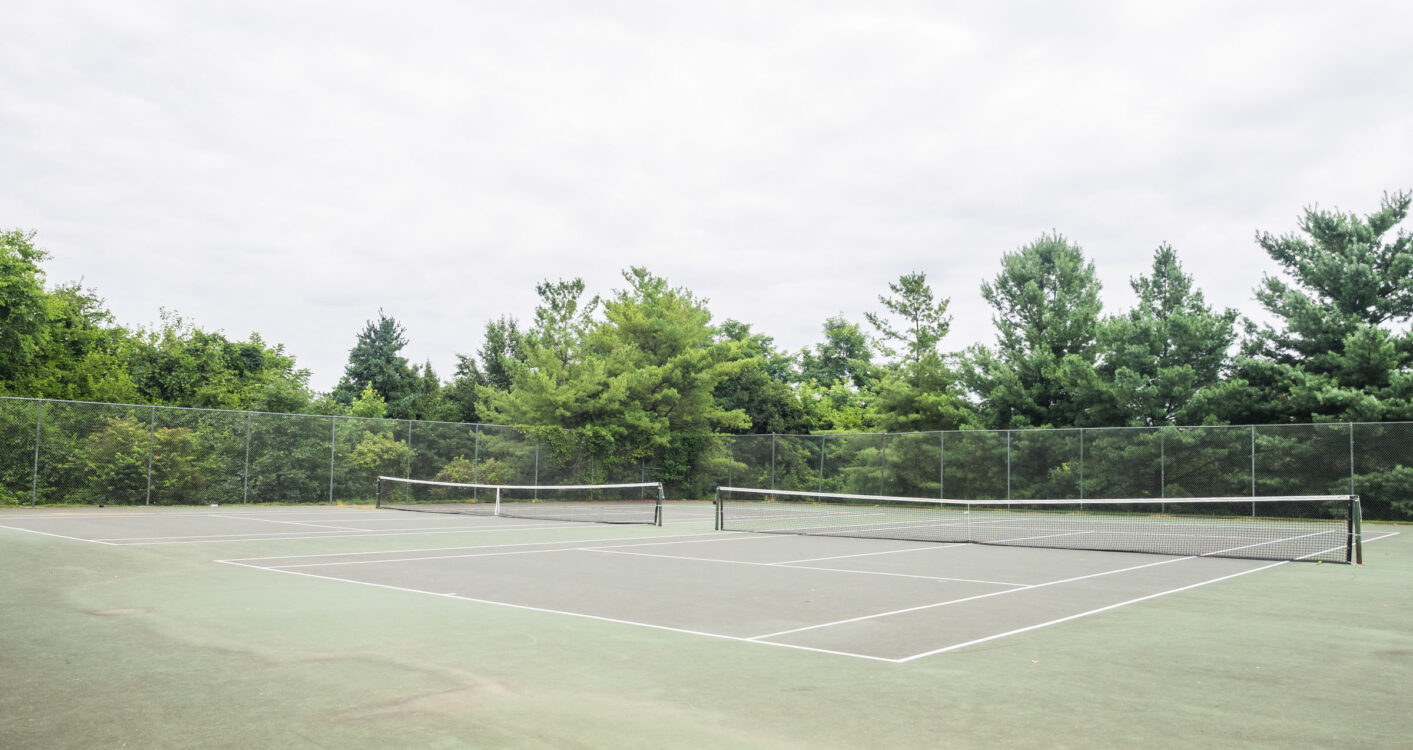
(823, 443)
(1008, 465)
(1351, 458)
(151, 446)
(941, 464)
(1081, 466)
(772, 460)
(476, 464)
(1253, 470)
(883, 465)
(1162, 470)
(333, 441)
(245, 475)
(34, 478)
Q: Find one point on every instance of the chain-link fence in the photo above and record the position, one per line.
(1374, 461)
(58, 452)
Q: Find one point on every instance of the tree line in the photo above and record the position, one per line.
(638, 370)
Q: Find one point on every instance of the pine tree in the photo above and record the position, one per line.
(375, 362)
(1047, 312)
(1341, 347)
(1160, 358)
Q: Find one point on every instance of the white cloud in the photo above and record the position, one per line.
(290, 168)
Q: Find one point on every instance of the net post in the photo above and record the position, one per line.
(716, 502)
(497, 511)
(1356, 532)
(378, 493)
(657, 511)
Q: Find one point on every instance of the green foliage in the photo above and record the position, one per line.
(647, 370)
(1047, 312)
(1342, 348)
(843, 356)
(379, 453)
(759, 385)
(369, 405)
(375, 362)
(182, 365)
(113, 461)
(1156, 359)
(459, 469)
(493, 471)
(502, 352)
(919, 396)
(641, 381)
(562, 320)
(920, 391)
(838, 407)
(925, 321)
(23, 305)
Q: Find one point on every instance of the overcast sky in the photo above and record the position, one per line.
(291, 167)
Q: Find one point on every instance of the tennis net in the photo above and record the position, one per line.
(638, 502)
(1315, 527)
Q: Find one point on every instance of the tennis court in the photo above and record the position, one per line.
(703, 596)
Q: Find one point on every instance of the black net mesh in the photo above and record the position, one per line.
(636, 503)
(1218, 528)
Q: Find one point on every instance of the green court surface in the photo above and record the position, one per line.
(342, 627)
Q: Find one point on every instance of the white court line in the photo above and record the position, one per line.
(292, 523)
(410, 559)
(1114, 606)
(475, 547)
(1028, 588)
(235, 509)
(276, 535)
(972, 598)
(139, 541)
(610, 550)
(934, 545)
(704, 633)
(493, 554)
(563, 612)
(60, 536)
(968, 598)
(1086, 614)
